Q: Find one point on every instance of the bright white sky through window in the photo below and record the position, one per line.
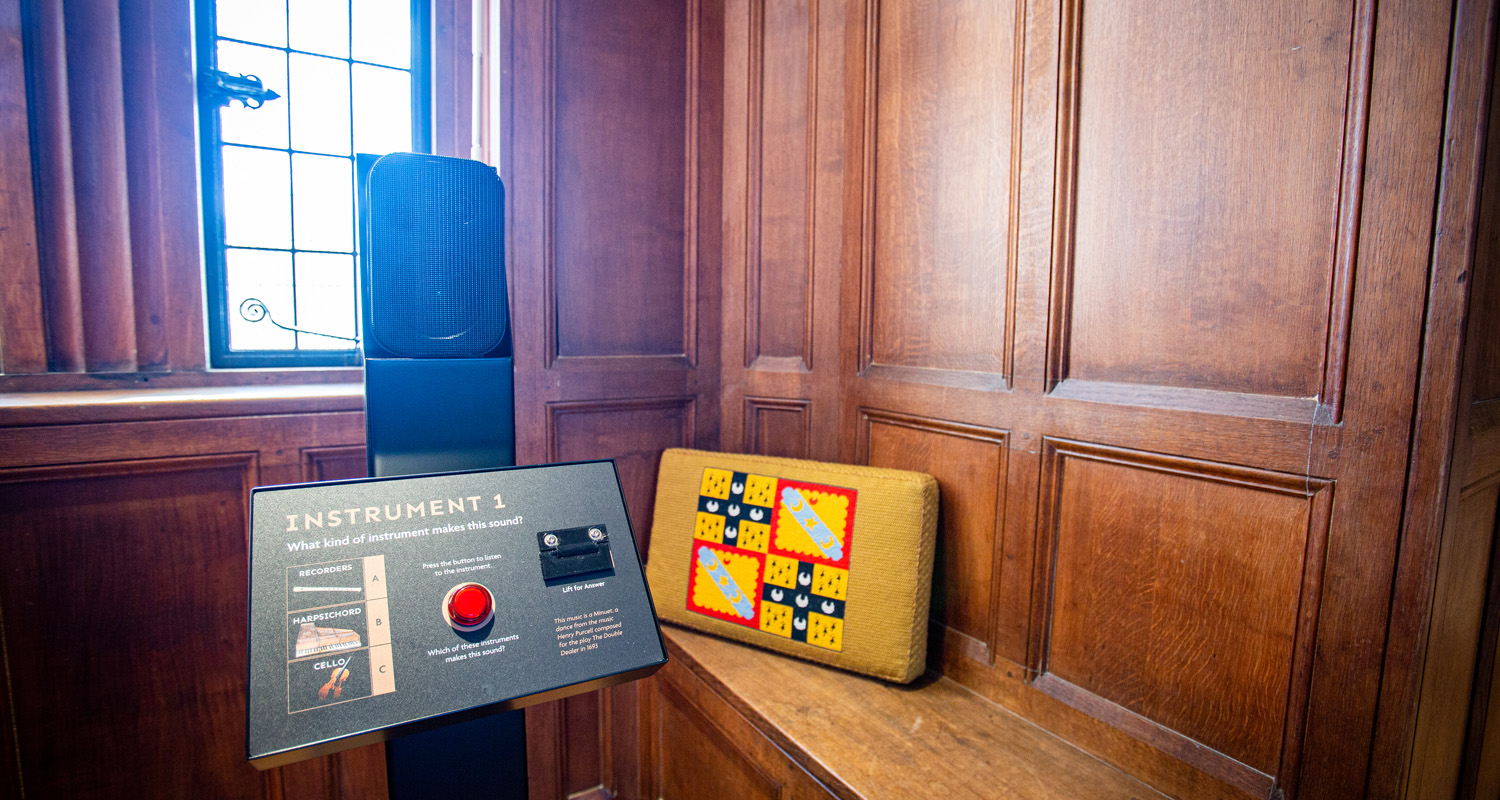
(343, 70)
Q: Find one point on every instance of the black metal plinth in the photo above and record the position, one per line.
(446, 415)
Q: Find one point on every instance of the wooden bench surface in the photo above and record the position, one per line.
(866, 738)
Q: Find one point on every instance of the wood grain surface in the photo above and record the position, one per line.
(863, 738)
(123, 598)
(1191, 310)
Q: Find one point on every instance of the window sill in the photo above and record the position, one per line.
(142, 403)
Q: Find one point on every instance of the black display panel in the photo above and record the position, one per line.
(384, 606)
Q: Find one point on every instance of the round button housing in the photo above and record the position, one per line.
(468, 606)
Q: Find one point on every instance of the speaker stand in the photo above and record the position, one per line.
(446, 415)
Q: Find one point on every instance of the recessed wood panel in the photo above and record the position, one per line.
(633, 433)
(777, 427)
(123, 604)
(1453, 642)
(969, 463)
(1208, 152)
(697, 760)
(783, 41)
(1484, 304)
(584, 764)
(942, 132)
(334, 463)
(1172, 589)
(619, 243)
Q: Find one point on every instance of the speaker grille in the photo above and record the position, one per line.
(436, 260)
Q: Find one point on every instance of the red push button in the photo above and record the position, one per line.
(468, 606)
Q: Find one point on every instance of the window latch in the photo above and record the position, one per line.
(219, 88)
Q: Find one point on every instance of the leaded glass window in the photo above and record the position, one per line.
(279, 209)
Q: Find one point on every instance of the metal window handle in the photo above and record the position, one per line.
(219, 88)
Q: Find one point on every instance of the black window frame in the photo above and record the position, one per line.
(215, 272)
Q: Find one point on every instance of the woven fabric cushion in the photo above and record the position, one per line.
(827, 562)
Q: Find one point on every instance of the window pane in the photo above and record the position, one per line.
(261, 21)
(323, 202)
(382, 31)
(319, 95)
(320, 26)
(325, 300)
(265, 275)
(382, 110)
(257, 198)
(265, 126)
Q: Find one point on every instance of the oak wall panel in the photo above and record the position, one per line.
(777, 427)
(334, 463)
(969, 463)
(939, 280)
(633, 433)
(698, 760)
(619, 251)
(583, 764)
(779, 263)
(1453, 643)
(123, 598)
(1181, 591)
(1175, 281)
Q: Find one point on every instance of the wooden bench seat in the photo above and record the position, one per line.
(864, 738)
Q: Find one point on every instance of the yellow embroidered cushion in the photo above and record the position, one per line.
(827, 562)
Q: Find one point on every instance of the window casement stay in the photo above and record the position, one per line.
(221, 88)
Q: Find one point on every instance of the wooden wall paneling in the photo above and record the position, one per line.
(93, 639)
(633, 432)
(352, 774)
(1483, 764)
(1480, 776)
(777, 427)
(629, 750)
(705, 748)
(546, 749)
(590, 318)
(334, 463)
(1466, 221)
(939, 271)
(452, 79)
(620, 139)
(1367, 454)
(279, 440)
(23, 346)
(969, 463)
(699, 761)
(783, 157)
(586, 727)
(144, 522)
(57, 214)
(96, 110)
(1453, 643)
(610, 153)
(907, 114)
(142, 138)
(929, 284)
(1184, 595)
(1148, 216)
(780, 152)
(161, 154)
(1185, 411)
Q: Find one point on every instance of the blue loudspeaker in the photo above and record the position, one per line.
(434, 261)
(437, 339)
